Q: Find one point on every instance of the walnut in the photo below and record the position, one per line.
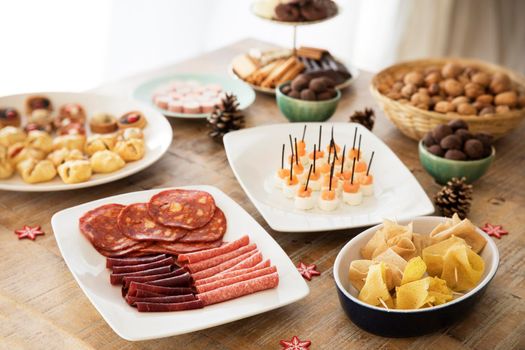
(467, 109)
(433, 89)
(435, 99)
(459, 100)
(432, 69)
(451, 70)
(453, 87)
(478, 105)
(408, 90)
(383, 88)
(432, 78)
(509, 98)
(502, 109)
(420, 98)
(474, 90)
(485, 99)
(463, 79)
(415, 78)
(481, 78)
(470, 71)
(500, 83)
(444, 107)
(394, 95)
(398, 85)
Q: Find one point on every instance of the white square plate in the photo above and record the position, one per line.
(88, 268)
(255, 154)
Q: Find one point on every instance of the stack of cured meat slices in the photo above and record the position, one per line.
(172, 222)
(193, 280)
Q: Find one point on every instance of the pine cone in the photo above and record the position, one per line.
(226, 118)
(454, 197)
(366, 118)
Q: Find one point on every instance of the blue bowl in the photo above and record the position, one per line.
(406, 323)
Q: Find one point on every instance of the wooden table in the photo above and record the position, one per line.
(41, 306)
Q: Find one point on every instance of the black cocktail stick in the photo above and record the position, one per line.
(353, 167)
(308, 178)
(370, 163)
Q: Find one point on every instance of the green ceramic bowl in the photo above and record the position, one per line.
(443, 169)
(296, 110)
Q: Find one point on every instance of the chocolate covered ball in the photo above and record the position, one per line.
(428, 139)
(441, 131)
(317, 85)
(458, 124)
(286, 89)
(308, 95)
(451, 142)
(326, 95)
(485, 139)
(294, 94)
(464, 134)
(300, 83)
(436, 150)
(330, 84)
(455, 154)
(474, 149)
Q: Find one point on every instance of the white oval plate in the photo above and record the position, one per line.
(89, 269)
(157, 137)
(255, 154)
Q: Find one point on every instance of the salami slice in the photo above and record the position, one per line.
(189, 209)
(232, 280)
(239, 289)
(110, 262)
(222, 267)
(176, 248)
(164, 299)
(148, 278)
(210, 253)
(117, 278)
(229, 274)
(205, 264)
(175, 281)
(100, 227)
(135, 286)
(155, 307)
(141, 267)
(210, 232)
(248, 262)
(135, 222)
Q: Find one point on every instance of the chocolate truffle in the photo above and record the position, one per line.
(451, 142)
(308, 95)
(441, 131)
(455, 154)
(464, 134)
(317, 85)
(287, 12)
(294, 94)
(485, 139)
(428, 139)
(326, 95)
(458, 124)
(286, 89)
(436, 150)
(300, 82)
(474, 149)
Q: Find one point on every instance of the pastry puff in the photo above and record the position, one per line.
(130, 150)
(99, 142)
(75, 171)
(10, 135)
(19, 152)
(40, 140)
(63, 155)
(6, 168)
(69, 142)
(34, 171)
(106, 162)
(130, 133)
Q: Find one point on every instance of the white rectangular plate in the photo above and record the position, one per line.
(255, 154)
(88, 268)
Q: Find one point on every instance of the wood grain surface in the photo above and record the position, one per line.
(41, 306)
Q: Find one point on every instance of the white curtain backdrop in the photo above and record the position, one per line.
(79, 44)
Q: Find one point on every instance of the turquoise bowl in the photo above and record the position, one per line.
(296, 110)
(442, 169)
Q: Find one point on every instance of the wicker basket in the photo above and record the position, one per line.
(415, 122)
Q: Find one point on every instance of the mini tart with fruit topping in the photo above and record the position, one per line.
(133, 119)
(9, 117)
(74, 112)
(38, 102)
(103, 123)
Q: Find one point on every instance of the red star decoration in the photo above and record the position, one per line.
(494, 230)
(307, 271)
(29, 232)
(295, 344)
